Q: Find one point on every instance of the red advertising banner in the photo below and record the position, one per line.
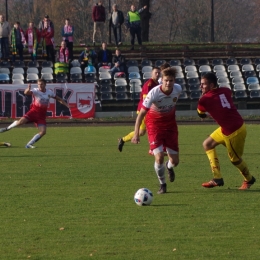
(80, 97)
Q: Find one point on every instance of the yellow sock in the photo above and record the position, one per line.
(128, 137)
(214, 163)
(243, 169)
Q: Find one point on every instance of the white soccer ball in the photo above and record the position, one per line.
(143, 197)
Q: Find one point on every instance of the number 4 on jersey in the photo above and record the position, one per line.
(224, 101)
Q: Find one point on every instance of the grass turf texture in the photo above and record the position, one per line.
(72, 198)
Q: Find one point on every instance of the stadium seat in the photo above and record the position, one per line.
(180, 81)
(159, 63)
(235, 73)
(136, 82)
(190, 68)
(135, 96)
(183, 95)
(194, 87)
(76, 70)
(5, 71)
(47, 70)
(232, 68)
(239, 86)
(188, 62)
(204, 68)
(131, 63)
(224, 86)
(33, 64)
(231, 61)
(5, 64)
(18, 64)
(147, 75)
(195, 95)
(121, 96)
(106, 96)
(105, 88)
(135, 88)
(217, 61)
(146, 63)
(240, 94)
(256, 61)
(219, 67)
(48, 77)
(223, 80)
(255, 86)
(245, 61)
(90, 75)
(192, 81)
(120, 88)
(175, 62)
(133, 69)
(75, 77)
(134, 75)
(237, 80)
(104, 75)
(179, 74)
(47, 63)
(221, 74)
(147, 69)
(248, 67)
(254, 94)
(61, 78)
(18, 76)
(75, 63)
(4, 78)
(32, 78)
(104, 82)
(18, 71)
(183, 86)
(192, 74)
(32, 70)
(177, 68)
(17, 81)
(249, 73)
(252, 80)
(202, 62)
(120, 82)
(119, 75)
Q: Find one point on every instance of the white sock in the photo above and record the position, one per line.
(170, 165)
(34, 139)
(12, 125)
(159, 169)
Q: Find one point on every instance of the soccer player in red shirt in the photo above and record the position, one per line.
(37, 112)
(148, 85)
(231, 133)
(158, 108)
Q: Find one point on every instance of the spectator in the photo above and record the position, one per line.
(33, 38)
(104, 56)
(5, 30)
(87, 57)
(17, 41)
(116, 20)
(67, 32)
(47, 34)
(42, 23)
(99, 18)
(62, 64)
(133, 23)
(119, 63)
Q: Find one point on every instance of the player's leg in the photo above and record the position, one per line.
(5, 144)
(21, 121)
(209, 145)
(128, 137)
(160, 168)
(235, 147)
(38, 136)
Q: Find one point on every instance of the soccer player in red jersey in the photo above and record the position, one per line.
(158, 108)
(37, 112)
(231, 133)
(148, 85)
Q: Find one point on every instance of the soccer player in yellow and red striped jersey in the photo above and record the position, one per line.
(148, 85)
(218, 103)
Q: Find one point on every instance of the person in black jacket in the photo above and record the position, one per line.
(116, 20)
(119, 63)
(104, 56)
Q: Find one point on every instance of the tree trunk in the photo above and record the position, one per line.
(145, 17)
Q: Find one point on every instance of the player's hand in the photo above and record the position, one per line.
(135, 140)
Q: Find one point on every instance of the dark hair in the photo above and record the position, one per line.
(211, 78)
(46, 16)
(165, 66)
(42, 80)
(67, 19)
(171, 72)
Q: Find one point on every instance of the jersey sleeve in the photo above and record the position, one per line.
(148, 100)
(201, 110)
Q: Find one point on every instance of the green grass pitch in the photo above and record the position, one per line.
(72, 198)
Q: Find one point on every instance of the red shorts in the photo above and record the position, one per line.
(36, 117)
(166, 138)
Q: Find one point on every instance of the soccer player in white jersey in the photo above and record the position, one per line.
(158, 109)
(37, 112)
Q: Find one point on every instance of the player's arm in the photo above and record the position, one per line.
(60, 100)
(138, 122)
(28, 91)
(201, 114)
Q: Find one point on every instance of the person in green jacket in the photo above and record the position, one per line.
(133, 23)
